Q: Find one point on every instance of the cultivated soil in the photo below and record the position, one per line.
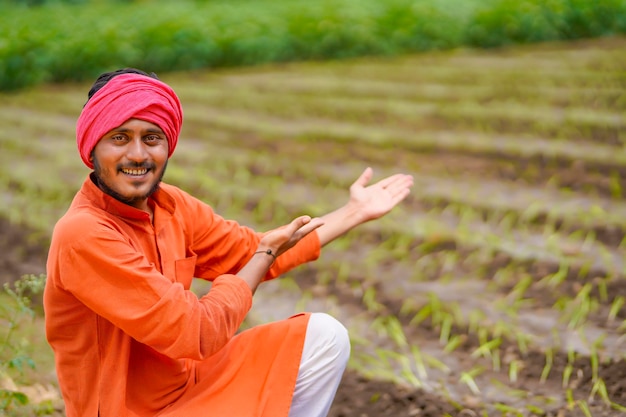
(496, 288)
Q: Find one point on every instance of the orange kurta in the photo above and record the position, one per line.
(129, 337)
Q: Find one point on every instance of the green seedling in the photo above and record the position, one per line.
(421, 315)
(407, 372)
(486, 349)
(453, 343)
(521, 287)
(436, 363)
(418, 358)
(468, 379)
(517, 393)
(557, 278)
(538, 411)
(584, 408)
(390, 327)
(496, 360)
(514, 368)
(603, 290)
(446, 326)
(567, 373)
(548, 366)
(409, 305)
(522, 342)
(569, 397)
(508, 410)
(445, 393)
(616, 306)
(599, 387)
(474, 319)
(618, 407)
(370, 302)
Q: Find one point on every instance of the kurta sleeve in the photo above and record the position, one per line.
(112, 278)
(225, 246)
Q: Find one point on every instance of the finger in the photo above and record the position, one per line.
(310, 226)
(399, 196)
(364, 178)
(298, 229)
(395, 181)
(297, 223)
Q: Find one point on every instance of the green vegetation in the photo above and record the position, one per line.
(17, 318)
(502, 276)
(77, 40)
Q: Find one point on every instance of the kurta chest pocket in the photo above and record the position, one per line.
(184, 270)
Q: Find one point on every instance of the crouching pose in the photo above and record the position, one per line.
(129, 337)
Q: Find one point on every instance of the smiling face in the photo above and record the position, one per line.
(130, 160)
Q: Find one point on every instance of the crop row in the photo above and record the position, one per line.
(428, 334)
(509, 252)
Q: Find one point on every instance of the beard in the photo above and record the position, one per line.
(96, 177)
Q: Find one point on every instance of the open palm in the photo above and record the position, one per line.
(378, 199)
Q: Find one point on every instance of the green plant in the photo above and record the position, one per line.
(15, 311)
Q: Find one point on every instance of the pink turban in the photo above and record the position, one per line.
(124, 97)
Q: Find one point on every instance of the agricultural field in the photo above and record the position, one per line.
(496, 289)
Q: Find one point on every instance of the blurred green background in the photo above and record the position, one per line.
(506, 259)
(64, 40)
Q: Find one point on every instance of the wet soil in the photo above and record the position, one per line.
(532, 241)
(359, 396)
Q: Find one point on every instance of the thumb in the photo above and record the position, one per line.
(364, 178)
(298, 222)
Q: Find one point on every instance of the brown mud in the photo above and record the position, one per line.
(497, 288)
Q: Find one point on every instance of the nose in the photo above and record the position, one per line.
(136, 150)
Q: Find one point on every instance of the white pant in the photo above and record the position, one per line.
(324, 358)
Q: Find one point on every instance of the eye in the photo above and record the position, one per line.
(118, 138)
(152, 139)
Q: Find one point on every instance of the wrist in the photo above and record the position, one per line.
(354, 214)
(267, 252)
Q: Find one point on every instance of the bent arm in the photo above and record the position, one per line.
(272, 245)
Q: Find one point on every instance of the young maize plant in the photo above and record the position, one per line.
(508, 410)
(557, 278)
(468, 379)
(514, 367)
(454, 342)
(599, 387)
(582, 306)
(616, 307)
(584, 407)
(569, 368)
(548, 366)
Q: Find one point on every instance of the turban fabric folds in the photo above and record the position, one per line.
(124, 97)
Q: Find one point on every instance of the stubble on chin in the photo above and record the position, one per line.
(131, 201)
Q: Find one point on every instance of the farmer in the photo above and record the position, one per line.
(129, 337)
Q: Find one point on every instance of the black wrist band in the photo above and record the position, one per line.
(267, 252)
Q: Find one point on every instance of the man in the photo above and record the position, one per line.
(130, 338)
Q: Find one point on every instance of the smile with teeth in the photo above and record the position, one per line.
(134, 171)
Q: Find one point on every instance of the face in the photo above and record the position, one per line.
(130, 160)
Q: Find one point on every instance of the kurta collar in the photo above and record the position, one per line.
(104, 201)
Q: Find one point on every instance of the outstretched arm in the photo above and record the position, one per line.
(366, 203)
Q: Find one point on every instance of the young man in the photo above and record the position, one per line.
(130, 338)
